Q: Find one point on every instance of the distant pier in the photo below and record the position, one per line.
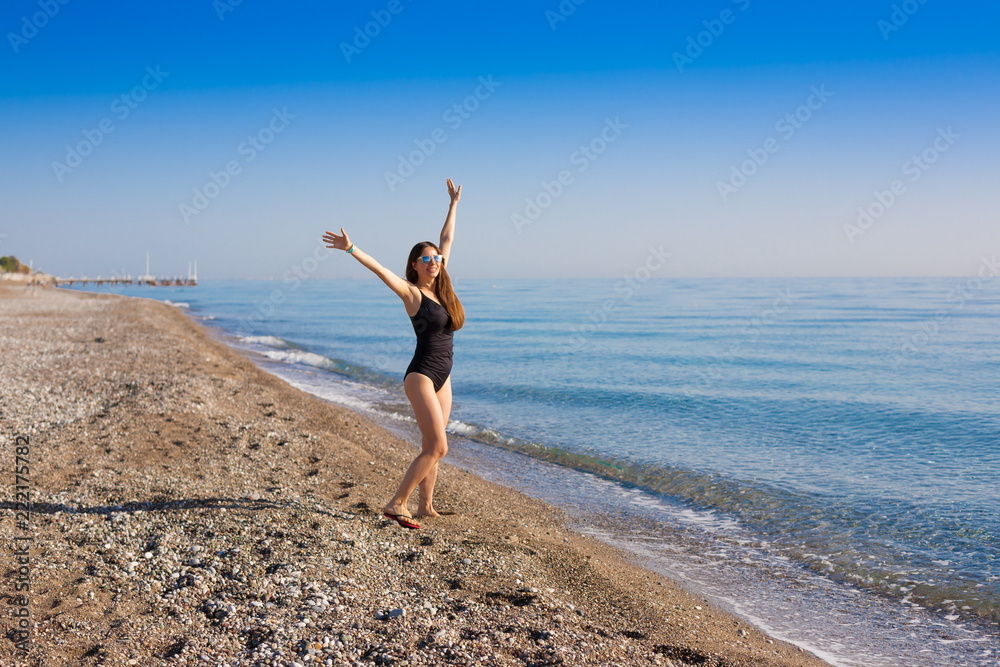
(150, 280)
(129, 280)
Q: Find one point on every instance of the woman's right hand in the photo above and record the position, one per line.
(337, 241)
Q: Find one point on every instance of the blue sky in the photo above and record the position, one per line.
(743, 138)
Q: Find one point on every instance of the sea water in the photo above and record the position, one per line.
(821, 456)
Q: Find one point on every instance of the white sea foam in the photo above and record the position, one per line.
(269, 341)
(397, 416)
(300, 357)
(461, 428)
(332, 393)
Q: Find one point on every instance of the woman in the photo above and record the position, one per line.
(436, 313)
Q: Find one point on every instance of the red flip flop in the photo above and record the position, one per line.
(402, 520)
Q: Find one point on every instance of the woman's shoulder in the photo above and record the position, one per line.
(415, 299)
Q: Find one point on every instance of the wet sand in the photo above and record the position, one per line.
(189, 508)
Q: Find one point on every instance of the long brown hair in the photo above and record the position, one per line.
(443, 290)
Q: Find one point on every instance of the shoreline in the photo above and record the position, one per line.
(190, 506)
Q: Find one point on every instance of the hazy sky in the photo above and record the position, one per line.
(592, 138)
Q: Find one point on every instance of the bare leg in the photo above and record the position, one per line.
(434, 444)
(425, 494)
(425, 505)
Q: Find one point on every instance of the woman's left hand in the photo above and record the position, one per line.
(453, 192)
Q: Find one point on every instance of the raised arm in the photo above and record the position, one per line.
(448, 231)
(403, 289)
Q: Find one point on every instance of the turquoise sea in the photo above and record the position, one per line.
(821, 456)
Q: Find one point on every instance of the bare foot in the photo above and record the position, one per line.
(427, 512)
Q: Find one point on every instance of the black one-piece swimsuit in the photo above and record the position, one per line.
(434, 342)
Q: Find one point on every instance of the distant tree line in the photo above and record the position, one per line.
(11, 264)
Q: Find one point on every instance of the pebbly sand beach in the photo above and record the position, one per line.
(187, 508)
